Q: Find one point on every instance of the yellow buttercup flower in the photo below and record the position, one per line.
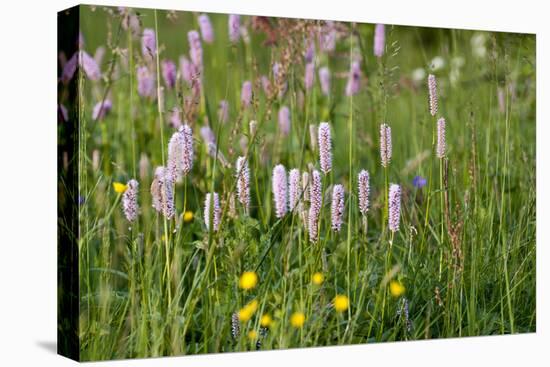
(318, 278)
(247, 311)
(266, 320)
(119, 187)
(341, 303)
(297, 319)
(396, 288)
(252, 335)
(188, 216)
(248, 280)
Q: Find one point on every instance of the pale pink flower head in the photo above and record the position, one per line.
(212, 205)
(243, 182)
(234, 25)
(195, 49)
(324, 79)
(327, 37)
(379, 40)
(168, 73)
(284, 120)
(148, 44)
(309, 77)
(145, 82)
(280, 190)
(337, 207)
(354, 80)
(206, 28)
(440, 149)
(385, 145)
(364, 191)
(223, 111)
(316, 201)
(129, 201)
(294, 188)
(325, 147)
(394, 202)
(89, 65)
(246, 93)
(432, 89)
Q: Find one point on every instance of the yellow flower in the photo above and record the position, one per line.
(248, 280)
(297, 319)
(266, 320)
(188, 216)
(341, 303)
(396, 288)
(252, 335)
(119, 187)
(318, 278)
(247, 311)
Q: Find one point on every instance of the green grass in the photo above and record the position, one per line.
(465, 251)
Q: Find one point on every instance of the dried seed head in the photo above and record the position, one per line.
(213, 205)
(440, 150)
(432, 88)
(129, 201)
(385, 145)
(364, 191)
(294, 188)
(394, 202)
(243, 182)
(325, 147)
(337, 207)
(280, 190)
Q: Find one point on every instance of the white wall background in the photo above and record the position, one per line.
(28, 184)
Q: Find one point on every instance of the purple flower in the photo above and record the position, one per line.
(310, 51)
(62, 113)
(324, 79)
(419, 182)
(440, 150)
(280, 190)
(379, 40)
(325, 147)
(162, 192)
(316, 200)
(394, 202)
(89, 65)
(243, 182)
(234, 27)
(69, 68)
(175, 120)
(246, 93)
(129, 201)
(145, 82)
(385, 145)
(208, 135)
(223, 111)
(195, 49)
(213, 205)
(206, 28)
(187, 69)
(327, 37)
(354, 80)
(309, 77)
(364, 191)
(148, 44)
(169, 73)
(99, 54)
(266, 85)
(101, 109)
(284, 120)
(337, 207)
(432, 88)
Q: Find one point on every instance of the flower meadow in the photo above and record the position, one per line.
(251, 183)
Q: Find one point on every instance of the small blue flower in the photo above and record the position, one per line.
(81, 200)
(419, 182)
